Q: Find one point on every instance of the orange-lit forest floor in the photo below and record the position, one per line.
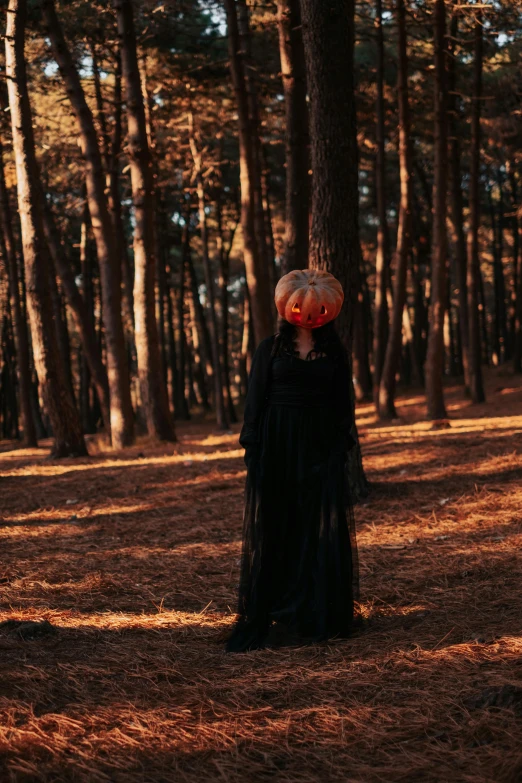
(133, 560)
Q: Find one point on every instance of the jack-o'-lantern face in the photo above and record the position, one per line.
(309, 297)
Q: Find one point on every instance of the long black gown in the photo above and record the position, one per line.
(298, 565)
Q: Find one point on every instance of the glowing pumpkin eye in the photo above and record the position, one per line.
(296, 308)
(323, 310)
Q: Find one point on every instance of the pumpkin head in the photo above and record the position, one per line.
(309, 297)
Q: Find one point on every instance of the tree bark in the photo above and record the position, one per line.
(200, 320)
(223, 254)
(86, 403)
(157, 208)
(191, 392)
(517, 337)
(500, 283)
(455, 203)
(186, 368)
(362, 338)
(245, 356)
(122, 419)
(517, 277)
(514, 256)
(58, 400)
(177, 358)
(260, 222)
(219, 399)
(435, 357)
(386, 402)
(381, 316)
(473, 270)
(59, 317)
(334, 237)
(8, 400)
(20, 332)
(257, 272)
(499, 325)
(198, 348)
(269, 228)
(152, 384)
(120, 239)
(297, 141)
(83, 323)
(420, 260)
(100, 111)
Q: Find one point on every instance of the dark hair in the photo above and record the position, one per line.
(325, 338)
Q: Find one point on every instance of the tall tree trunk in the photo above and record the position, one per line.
(172, 358)
(334, 238)
(152, 383)
(514, 256)
(455, 202)
(297, 158)
(500, 283)
(86, 406)
(8, 401)
(257, 272)
(260, 225)
(200, 320)
(419, 261)
(59, 317)
(161, 275)
(157, 207)
(160, 254)
(473, 271)
(120, 239)
(245, 359)
(517, 277)
(21, 336)
(122, 418)
(269, 228)
(177, 359)
(452, 360)
(435, 357)
(191, 392)
(517, 336)
(224, 269)
(100, 111)
(360, 355)
(58, 400)
(496, 349)
(386, 406)
(84, 324)
(198, 352)
(362, 338)
(219, 399)
(186, 368)
(381, 326)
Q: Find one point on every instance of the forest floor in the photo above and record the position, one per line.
(132, 558)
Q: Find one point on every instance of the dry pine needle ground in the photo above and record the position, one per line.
(132, 559)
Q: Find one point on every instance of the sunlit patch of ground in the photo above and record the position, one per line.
(132, 558)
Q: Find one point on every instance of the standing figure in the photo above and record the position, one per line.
(299, 571)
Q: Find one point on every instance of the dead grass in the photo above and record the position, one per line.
(133, 559)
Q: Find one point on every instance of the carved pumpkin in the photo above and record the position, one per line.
(309, 297)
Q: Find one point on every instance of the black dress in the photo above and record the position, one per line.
(298, 564)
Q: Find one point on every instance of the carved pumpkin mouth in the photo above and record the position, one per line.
(296, 309)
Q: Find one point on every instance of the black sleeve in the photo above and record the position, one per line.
(343, 406)
(256, 392)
